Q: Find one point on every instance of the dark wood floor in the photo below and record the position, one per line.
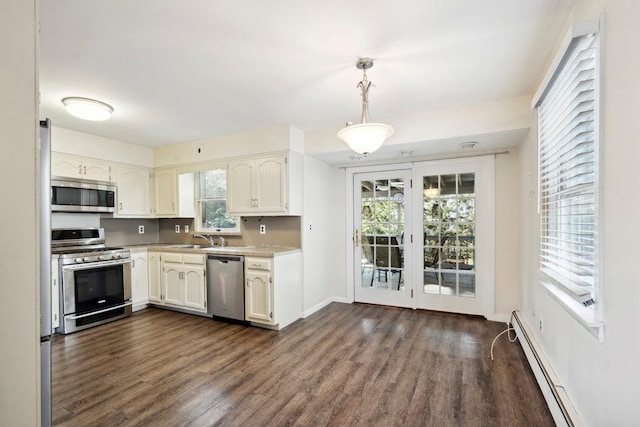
(348, 364)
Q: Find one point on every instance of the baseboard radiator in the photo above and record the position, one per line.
(561, 408)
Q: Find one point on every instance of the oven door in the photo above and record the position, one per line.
(95, 293)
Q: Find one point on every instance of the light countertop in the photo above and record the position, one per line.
(259, 251)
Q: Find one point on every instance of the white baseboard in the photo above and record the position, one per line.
(563, 412)
(322, 305)
(342, 300)
(317, 307)
(503, 318)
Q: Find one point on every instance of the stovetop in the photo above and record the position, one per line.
(76, 250)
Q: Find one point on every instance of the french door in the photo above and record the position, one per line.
(424, 237)
(381, 216)
(453, 254)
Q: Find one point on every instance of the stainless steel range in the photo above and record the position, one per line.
(95, 279)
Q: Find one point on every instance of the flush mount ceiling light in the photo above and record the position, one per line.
(366, 137)
(87, 109)
(467, 145)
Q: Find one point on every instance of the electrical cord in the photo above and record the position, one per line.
(507, 331)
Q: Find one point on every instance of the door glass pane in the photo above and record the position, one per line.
(382, 227)
(449, 234)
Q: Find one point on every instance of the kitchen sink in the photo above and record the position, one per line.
(188, 246)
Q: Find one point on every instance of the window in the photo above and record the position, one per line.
(211, 204)
(568, 175)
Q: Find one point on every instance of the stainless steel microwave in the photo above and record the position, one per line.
(74, 195)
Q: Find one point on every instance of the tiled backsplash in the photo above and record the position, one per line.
(280, 231)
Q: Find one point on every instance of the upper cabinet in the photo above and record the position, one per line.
(71, 166)
(265, 185)
(165, 192)
(134, 191)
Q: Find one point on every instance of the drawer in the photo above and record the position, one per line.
(171, 257)
(193, 259)
(257, 263)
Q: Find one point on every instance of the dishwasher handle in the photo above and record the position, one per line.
(225, 259)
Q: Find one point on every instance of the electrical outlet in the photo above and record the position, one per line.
(541, 327)
(141, 229)
(177, 228)
(263, 229)
(186, 228)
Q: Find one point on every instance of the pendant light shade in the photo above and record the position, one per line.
(87, 109)
(366, 137)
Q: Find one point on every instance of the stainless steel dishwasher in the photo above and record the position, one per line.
(225, 286)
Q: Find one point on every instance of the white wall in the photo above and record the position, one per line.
(317, 234)
(84, 144)
(278, 138)
(506, 214)
(601, 379)
(19, 311)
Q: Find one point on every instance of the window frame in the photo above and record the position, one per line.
(236, 231)
(589, 317)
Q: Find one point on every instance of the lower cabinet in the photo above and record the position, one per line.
(258, 297)
(139, 279)
(273, 290)
(55, 294)
(183, 281)
(155, 295)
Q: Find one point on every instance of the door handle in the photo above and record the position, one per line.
(356, 239)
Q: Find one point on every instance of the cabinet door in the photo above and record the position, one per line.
(55, 295)
(195, 288)
(133, 191)
(240, 192)
(155, 290)
(259, 297)
(165, 192)
(270, 184)
(96, 169)
(66, 165)
(139, 278)
(172, 284)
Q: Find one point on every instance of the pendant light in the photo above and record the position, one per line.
(87, 109)
(366, 137)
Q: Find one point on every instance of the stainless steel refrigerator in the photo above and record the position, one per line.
(45, 270)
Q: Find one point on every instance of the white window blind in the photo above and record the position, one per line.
(568, 129)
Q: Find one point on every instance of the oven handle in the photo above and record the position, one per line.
(93, 313)
(87, 266)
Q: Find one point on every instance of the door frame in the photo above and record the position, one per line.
(488, 159)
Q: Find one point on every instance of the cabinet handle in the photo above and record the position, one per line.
(133, 263)
(80, 169)
(85, 170)
(120, 205)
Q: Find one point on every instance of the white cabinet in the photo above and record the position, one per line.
(134, 191)
(155, 292)
(273, 290)
(71, 166)
(183, 281)
(259, 291)
(55, 294)
(265, 185)
(165, 192)
(139, 279)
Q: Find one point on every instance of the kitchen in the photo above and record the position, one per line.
(325, 245)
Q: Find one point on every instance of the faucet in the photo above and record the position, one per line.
(209, 239)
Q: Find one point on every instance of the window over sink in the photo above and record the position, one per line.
(211, 204)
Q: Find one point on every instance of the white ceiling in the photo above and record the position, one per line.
(178, 71)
